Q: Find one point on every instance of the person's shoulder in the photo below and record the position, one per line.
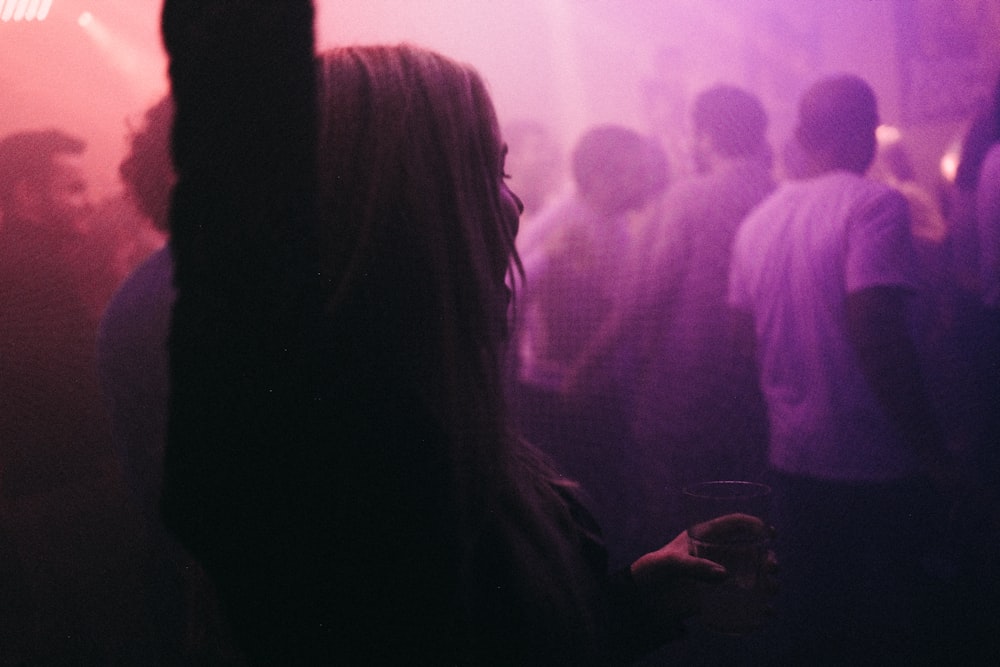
(854, 183)
(780, 197)
(871, 193)
(851, 193)
(695, 193)
(149, 284)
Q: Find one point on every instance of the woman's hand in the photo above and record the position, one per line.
(668, 578)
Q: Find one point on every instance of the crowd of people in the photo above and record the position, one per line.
(330, 391)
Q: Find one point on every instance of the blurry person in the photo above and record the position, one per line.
(964, 241)
(184, 622)
(46, 202)
(44, 186)
(61, 493)
(894, 166)
(792, 163)
(983, 513)
(136, 222)
(975, 395)
(575, 351)
(385, 513)
(51, 425)
(973, 241)
(821, 273)
(696, 414)
(935, 303)
(132, 345)
(988, 227)
(535, 171)
(988, 221)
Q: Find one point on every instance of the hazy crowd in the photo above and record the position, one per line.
(355, 371)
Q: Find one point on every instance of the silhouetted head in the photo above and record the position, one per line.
(617, 169)
(837, 120)
(41, 180)
(729, 122)
(147, 171)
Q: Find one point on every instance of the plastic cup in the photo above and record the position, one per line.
(727, 524)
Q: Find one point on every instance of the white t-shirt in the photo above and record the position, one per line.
(796, 258)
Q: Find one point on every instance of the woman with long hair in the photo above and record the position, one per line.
(417, 228)
(339, 456)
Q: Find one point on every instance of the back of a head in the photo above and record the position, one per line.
(619, 169)
(733, 118)
(147, 171)
(28, 156)
(837, 119)
(413, 239)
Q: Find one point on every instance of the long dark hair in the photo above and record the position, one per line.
(411, 227)
(416, 250)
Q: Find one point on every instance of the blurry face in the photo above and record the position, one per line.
(67, 199)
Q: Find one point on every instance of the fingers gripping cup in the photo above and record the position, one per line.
(727, 524)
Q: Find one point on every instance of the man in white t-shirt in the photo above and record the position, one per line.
(821, 273)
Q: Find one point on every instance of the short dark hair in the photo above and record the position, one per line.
(834, 109)
(28, 155)
(734, 119)
(147, 171)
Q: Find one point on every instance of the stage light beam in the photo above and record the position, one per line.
(24, 10)
(22, 6)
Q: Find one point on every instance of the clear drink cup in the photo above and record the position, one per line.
(727, 524)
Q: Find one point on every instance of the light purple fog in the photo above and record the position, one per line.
(569, 64)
